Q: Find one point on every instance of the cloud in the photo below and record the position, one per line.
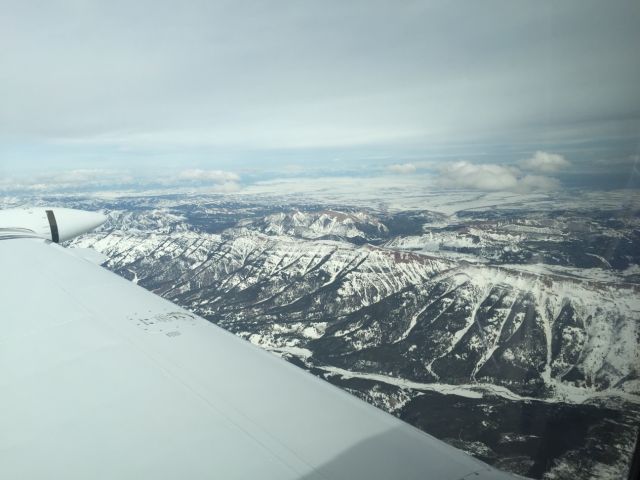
(403, 169)
(213, 176)
(545, 162)
(492, 177)
(478, 177)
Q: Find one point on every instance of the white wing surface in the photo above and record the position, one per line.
(101, 379)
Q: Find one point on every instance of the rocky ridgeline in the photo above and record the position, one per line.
(408, 315)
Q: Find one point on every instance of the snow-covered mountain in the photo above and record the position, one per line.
(355, 226)
(520, 327)
(431, 318)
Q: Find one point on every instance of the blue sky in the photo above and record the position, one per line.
(265, 89)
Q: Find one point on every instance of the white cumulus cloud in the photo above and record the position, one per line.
(545, 162)
(478, 176)
(492, 177)
(402, 168)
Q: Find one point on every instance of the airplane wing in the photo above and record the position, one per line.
(100, 378)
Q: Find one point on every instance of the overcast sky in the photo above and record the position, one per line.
(299, 87)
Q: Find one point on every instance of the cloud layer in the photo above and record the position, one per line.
(132, 80)
(85, 180)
